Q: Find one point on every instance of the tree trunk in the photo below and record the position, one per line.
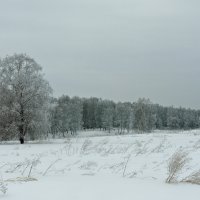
(21, 139)
(21, 126)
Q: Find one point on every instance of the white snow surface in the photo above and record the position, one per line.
(99, 168)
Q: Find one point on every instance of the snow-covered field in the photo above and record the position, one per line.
(99, 168)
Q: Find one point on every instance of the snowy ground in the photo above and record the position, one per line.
(106, 167)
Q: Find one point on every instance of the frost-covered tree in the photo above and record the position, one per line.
(24, 97)
(66, 115)
(54, 117)
(61, 118)
(75, 114)
(108, 115)
(173, 120)
(124, 117)
(144, 116)
(99, 113)
(90, 109)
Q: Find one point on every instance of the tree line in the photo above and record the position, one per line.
(27, 108)
(71, 114)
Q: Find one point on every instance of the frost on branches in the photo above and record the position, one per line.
(24, 98)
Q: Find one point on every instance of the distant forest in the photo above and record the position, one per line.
(27, 108)
(72, 114)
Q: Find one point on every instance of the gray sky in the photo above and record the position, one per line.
(115, 49)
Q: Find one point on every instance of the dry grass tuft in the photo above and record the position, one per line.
(21, 179)
(176, 164)
(193, 178)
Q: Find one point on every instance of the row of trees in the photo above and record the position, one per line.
(94, 113)
(28, 109)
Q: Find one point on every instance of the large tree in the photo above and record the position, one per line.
(24, 96)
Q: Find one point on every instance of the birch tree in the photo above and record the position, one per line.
(24, 94)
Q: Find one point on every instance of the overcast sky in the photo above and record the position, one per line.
(115, 49)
